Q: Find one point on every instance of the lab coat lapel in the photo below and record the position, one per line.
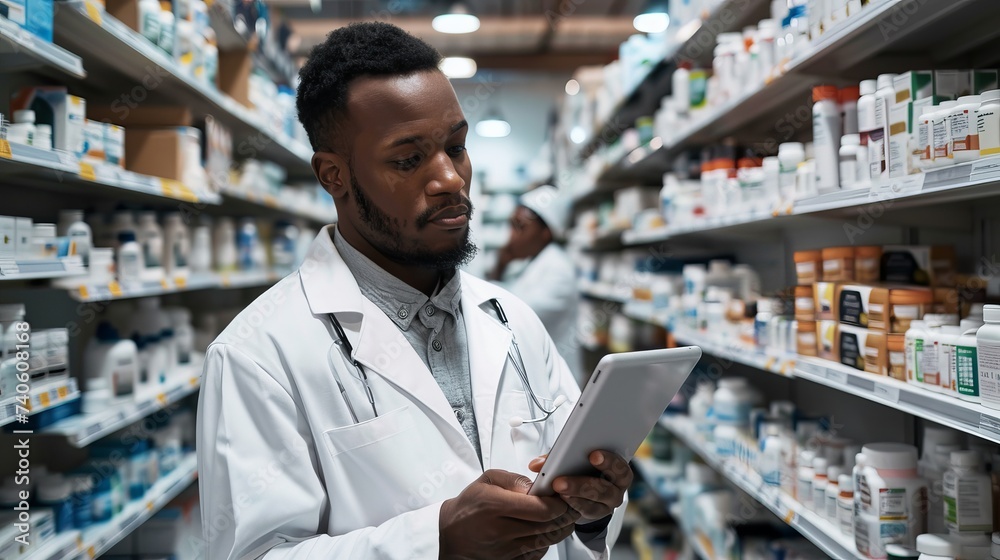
(489, 341)
(384, 350)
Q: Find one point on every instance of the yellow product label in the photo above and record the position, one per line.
(225, 281)
(897, 128)
(989, 151)
(164, 285)
(91, 552)
(5, 149)
(62, 392)
(161, 398)
(193, 381)
(180, 282)
(115, 288)
(83, 292)
(269, 200)
(94, 12)
(44, 400)
(87, 171)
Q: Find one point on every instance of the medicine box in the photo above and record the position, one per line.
(952, 84)
(826, 339)
(93, 141)
(825, 294)
(114, 144)
(24, 231)
(919, 265)
(913, 85)
(53, 105)
(34, 16)
(8, 239)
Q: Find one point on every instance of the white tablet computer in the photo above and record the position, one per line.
(619, 406)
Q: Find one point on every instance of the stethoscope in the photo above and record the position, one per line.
(517, 362)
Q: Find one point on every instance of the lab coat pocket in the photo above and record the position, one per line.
(352, 436)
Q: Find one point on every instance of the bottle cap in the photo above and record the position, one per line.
(937, 545)
(849, 93)
(824, 93)
(969, 100)
(991, 95)
(850, 140)
(885, 80)
(991, 313)
(966, 459)
(845, 482)
(895, 456)
(868, 87)
(26, 116)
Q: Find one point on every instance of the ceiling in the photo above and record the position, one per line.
(541, 35)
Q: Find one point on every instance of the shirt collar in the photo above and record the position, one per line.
(397, 299)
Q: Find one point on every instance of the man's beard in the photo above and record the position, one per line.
(389, 240)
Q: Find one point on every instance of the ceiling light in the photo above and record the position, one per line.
(458, 67)
(578, 135)
(572, 87)
(458, 20)
(651, 22)
(493, 127)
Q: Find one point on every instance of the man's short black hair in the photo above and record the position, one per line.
(360, 49)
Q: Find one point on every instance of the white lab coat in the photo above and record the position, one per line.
(548, 285)
(285, 472)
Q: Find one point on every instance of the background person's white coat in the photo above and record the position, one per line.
(285, 473)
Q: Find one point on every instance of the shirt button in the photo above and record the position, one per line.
(460, 414)
(429, 310)
(437, 345)
(402, 313)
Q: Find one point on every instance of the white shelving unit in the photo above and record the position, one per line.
(47, 395)
(83, 429)
(88, 292)
(65, 267)
(23, 50)
(818, 530)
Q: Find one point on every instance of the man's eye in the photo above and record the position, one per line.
(455, 151)
(408, 163)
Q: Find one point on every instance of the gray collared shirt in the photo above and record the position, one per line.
(438, 337)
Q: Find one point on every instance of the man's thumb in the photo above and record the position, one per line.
(507, 480)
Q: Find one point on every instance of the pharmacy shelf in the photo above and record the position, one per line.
(22, 50)
(694, 42)
(86, 29)
(883, 26)
(607, 292)
(968, 417)
(48, 395)
(63, 546)
(90, 292)
(61, 172)
(248, 203)
(83, 429)
(98, 539)
(41, 269)
(957, 183)
(813, 527)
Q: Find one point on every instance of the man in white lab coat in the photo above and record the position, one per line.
(362, 407)
(547, 283)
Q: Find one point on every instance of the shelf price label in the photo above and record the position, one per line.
(5, 149)
(44, 400)
(989, 424)
(115, 288)
(82, 290)
(62, 392)
(180, 282)
(890, 394)
(86, 169)
(94, 13)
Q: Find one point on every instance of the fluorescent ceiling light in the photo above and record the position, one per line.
(578, 135)
(458, 20)
(493, 127)
(572, 87)
(653, 22)
(457, 67)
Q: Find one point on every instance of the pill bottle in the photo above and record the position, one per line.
(967, 495)
(988, 356)
(893, 506)
(838, 264)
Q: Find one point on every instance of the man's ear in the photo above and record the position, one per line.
(332, 171)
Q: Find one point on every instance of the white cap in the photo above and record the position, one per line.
(732, 383)
(43, 230)
(835, 472)
(966, 459)
(845, 481)
(850, 140)
(899, 552)
(550, 205)
(991, 313)
(885, 80)
(71, 215)
(937, 545)
(918, 324)
(991, 95)
(868, 87)
(820, 464)
(765, 305)
(806, 457)
(893, 456)
(791, 146)
(947, 104)
(54, 488)
(995, 547)
(969, 99)
(971, 323)
(24, 116)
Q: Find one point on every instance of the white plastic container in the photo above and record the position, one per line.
(43, 241)
(180, 318)
(965, 363)
(914, 349)
(790, 155)
(968, 495)
(201, 249)
(732, 402)
(71, 225)
(804, 477)
(23, 130)
(878, 145)
(820, 480)
(176, 246)
(934, 474)
(988, 123)
(149, 20)
(725, 437)
(866, 125)
(128, 260)
(963, 130)
(930, 361)
(937, 547)
(700, 407)
(680, 82)
(101, 265)
(849, 109)
(941, 134)
(988, 356)
(150, 238)
(925, 137)
(850, 170)
(698, 479)
(829, 509)
(892, 507)
(43, 136)
(225, 245)
(947, 340)
(112, 360)
(167, 27)
(845, 504)
(826, 137)
(770, 457)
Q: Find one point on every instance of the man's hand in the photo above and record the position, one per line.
(593, 497)
(495, 518)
